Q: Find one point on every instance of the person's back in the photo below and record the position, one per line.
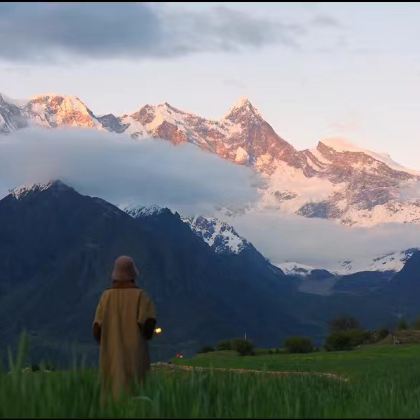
(124, 321)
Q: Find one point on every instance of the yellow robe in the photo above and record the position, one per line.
(124, 354)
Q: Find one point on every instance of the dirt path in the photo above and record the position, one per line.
(261, 372)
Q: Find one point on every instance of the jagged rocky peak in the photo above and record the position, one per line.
(241, 111)
(162, 121)
(137, 211)
(54, 110)
(112, 123)
(28, 189)
(219, 235)
(169, 108)
(145, 115)
(148, 113)
(57, 101)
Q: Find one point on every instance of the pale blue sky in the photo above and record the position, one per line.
(319, 69)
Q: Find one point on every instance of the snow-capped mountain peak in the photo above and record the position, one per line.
(52, 110)
(217, 234)
(294, 268)
(23, 190)
(392, 261)
(64, 101)
(241, 110)
(144, 211)
(26, 189)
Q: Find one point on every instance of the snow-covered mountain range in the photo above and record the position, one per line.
(393, 261)
(224, 239)
(335, 180)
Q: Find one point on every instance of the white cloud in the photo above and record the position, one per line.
(191, 181)
(124, 171)
(321, 243)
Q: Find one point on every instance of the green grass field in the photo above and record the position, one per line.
(383, 381)
(374, 360)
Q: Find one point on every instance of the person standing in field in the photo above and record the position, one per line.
(125, 320)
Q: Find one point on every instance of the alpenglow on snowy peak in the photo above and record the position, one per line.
(335, 180)
(55, 111)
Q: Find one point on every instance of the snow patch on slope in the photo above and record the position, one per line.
(244, 105)
(143, 211)
(242, 156)
(293, 268)
(23, 190)
(391, 212)
(289, 189)
(393, 261)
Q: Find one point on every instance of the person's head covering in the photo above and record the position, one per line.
(124, 269)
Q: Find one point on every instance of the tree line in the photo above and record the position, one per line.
(344, 333)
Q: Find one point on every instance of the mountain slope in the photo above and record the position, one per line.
(346, 185)
(56, 254)
(218, 235)
(55, 111)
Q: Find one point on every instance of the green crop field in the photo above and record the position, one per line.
(372, 360)
(374, 381)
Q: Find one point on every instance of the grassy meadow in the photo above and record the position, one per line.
(377, 381)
